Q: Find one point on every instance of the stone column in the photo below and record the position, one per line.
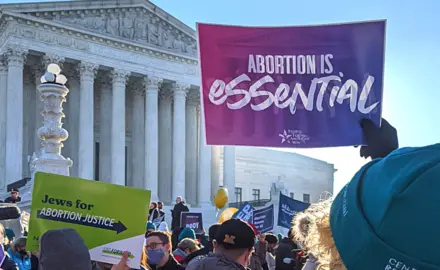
(3, 118)
(192, 101)
(152, 85)
(165, 145)
(105, 119)
(180, 90)
(138, 135)
(215, 169)
(16, 57)
(29, 130)
(205, 158)
(229, 171)
(120, 78)
(72, 117)
(86, 129)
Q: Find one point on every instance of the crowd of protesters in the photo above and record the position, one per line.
(365, 227)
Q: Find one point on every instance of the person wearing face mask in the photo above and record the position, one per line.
(158, 249)
(19, 255)
(233, 247)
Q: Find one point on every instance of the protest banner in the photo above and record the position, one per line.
(246, 213)
(110, 218)
(299, 87)
(192, 220)
(288, 208)
(264, 219)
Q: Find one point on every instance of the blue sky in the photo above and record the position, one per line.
(411, 95)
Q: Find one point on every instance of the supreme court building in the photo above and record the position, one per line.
(133, 111)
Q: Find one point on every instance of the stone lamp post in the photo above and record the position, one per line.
(52, 92)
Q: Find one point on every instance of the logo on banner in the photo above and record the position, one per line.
(294, 137)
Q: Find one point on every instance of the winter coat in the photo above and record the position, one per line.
(177, 210)
(172, 264)
(23, 262)
(214, 261)
(286, 249)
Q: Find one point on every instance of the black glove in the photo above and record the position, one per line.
(380, 141)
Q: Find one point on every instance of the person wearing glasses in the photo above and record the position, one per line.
(158, 248)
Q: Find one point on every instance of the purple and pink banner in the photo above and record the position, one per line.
(301, 87)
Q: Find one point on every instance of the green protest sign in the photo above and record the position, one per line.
(110, 218)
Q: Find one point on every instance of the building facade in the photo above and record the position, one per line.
(133, 111)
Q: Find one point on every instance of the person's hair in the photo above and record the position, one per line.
(188, 243)
(154, 204)
(19, 242)
(159, 203)
(232, 253)
(144, 259)
(312, 230)
(163, 236)
(271, 238)
(2, 233)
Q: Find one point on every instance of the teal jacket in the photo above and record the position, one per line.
(23, 262)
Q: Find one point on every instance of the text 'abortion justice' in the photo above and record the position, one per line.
(290, 64)
(286, 95)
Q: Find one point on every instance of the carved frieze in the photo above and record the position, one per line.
(134, 24)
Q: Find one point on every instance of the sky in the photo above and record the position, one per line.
(412, 60)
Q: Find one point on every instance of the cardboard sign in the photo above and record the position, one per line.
(192, 220)
(297, 87)
(110, 218)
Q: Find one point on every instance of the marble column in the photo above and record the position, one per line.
(229, 171)
(193, 99)
(119, 81)
(152, 85)
(29, 97)
(3, 117)
(72, 117)
(16, 57)
(105, 106)
(215, 169)
(86, 129)
(165, 144)
(179, 93)
(138, 135)
(205, 159)
(39, 70)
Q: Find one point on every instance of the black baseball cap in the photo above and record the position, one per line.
(235, 234)
(213, 231)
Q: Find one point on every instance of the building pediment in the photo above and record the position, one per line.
(135, 21)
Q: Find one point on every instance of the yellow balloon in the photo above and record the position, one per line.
(221, 198)
(227, 214)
